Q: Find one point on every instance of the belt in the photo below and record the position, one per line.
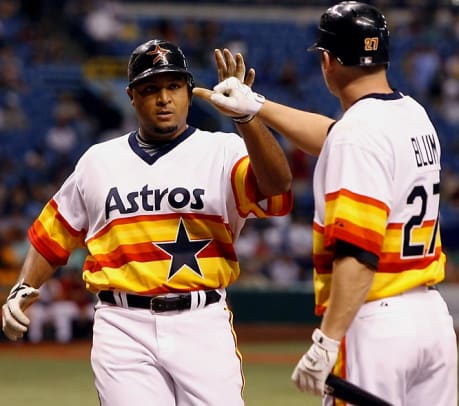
(160, 303)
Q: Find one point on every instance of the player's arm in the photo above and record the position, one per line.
(351, 281)
(35, 271)
(267, 158)
(305, 130)
(350, 284)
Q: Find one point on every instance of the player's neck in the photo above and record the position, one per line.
(361, 86)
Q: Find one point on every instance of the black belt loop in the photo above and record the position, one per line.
(160, 303)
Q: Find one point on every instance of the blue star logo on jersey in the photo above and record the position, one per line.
(183, 252)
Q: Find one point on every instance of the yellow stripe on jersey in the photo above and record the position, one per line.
(53, 237)
(362, 222)
(123, 258)
(150, 277)
(157, 253)
(247, 194)
(159, 228)
(355, 219)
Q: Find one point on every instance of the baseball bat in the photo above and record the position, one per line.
(344, 390)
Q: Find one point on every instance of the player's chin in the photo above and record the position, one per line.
(165, 130)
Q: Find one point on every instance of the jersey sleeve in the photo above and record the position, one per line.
(249, 200)
(61, 226)
(356, 206)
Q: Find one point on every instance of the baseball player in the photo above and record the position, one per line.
(377, 247)
(159, 210)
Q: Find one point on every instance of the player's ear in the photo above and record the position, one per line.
(129, 93)
(325, 59)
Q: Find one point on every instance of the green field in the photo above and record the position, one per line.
(28, 380)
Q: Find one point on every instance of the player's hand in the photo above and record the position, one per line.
(234, 99)
(229, 65)
(238, 98)
(313, 368)
(14, 321)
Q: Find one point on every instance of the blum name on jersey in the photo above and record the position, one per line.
(383, 197)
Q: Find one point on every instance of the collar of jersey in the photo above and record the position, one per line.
(151, 159)
(395, 95)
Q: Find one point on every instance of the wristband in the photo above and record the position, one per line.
(243, 119)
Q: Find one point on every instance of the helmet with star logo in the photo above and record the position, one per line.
(355, 33)
(157, 56)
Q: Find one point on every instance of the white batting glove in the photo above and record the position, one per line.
(313, 368)
(14, 321)
(233, 95)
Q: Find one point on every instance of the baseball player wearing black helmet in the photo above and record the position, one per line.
(159, 210)
(157, 56)
(376, 236)
(356, 34)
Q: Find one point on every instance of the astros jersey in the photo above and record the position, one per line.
(376, 186)
(154, 224)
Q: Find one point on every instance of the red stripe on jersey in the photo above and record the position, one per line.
(147, 252)
(392, 263)
(218, 249)
(54, 253)
(361, 237)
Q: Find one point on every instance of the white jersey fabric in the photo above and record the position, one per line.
(376, 187)
(159, 224)
(156, 224)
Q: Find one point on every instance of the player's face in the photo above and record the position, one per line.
(161, 103)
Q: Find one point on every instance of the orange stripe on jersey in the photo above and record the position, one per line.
(199, 221)
(152, 278)
(356, 219)
(130, 254)
(392, 263)
(162, 228)
(357, 198)
(55, 247)
(247, 195)
(362, 237)
(420, 235)
(54, 253)
(148, 252)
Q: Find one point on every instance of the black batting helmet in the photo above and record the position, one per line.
(355, 33)
(157, 56)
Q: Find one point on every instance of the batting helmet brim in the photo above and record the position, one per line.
(155, 71)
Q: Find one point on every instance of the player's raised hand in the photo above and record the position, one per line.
(14, 321)
(233, 96)
(229, 65)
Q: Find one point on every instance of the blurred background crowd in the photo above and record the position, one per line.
(62, 88)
